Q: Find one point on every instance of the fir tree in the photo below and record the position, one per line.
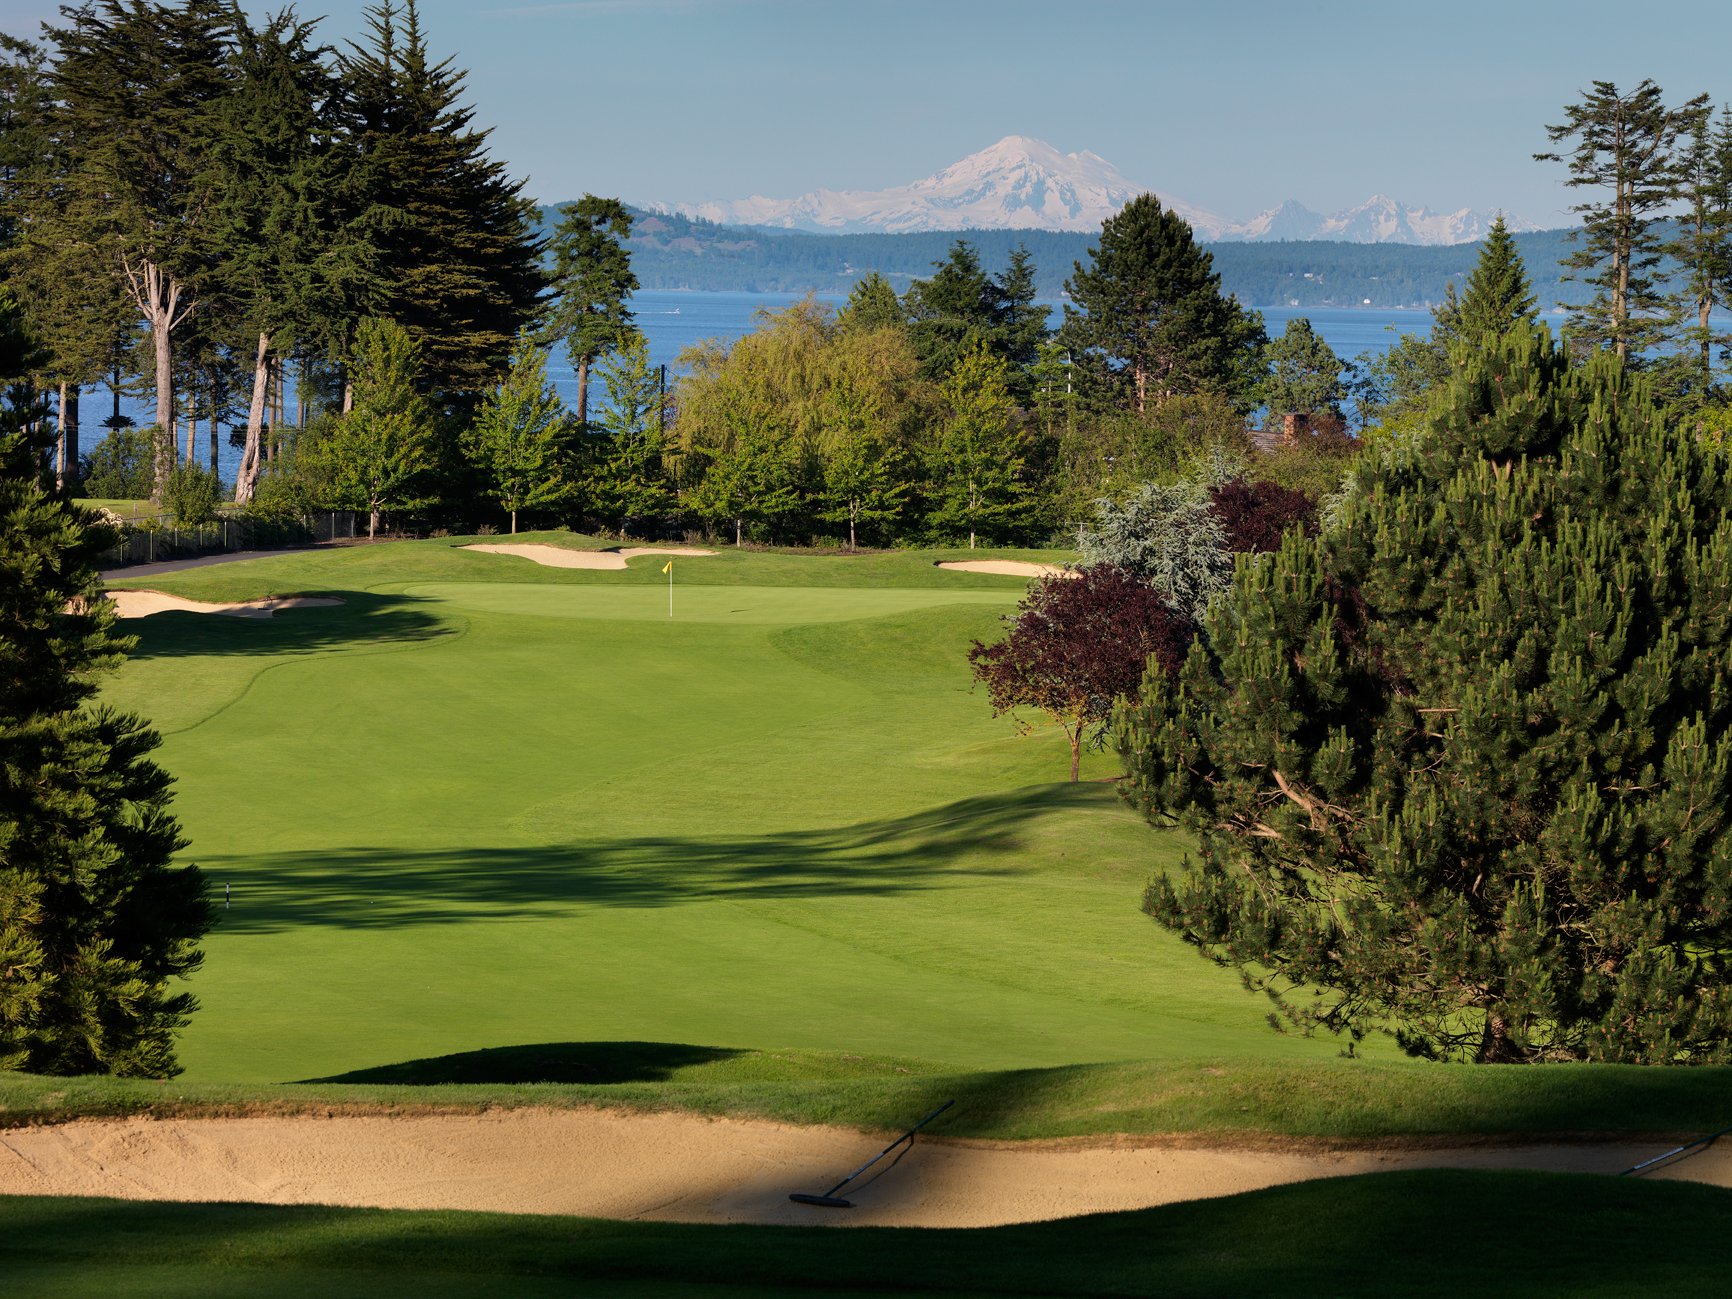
(1624, 143)
(1498, 296)
(277, 162)
(1149, 320)
(628, 479)
(954, 312)
(382, 454)
(1168, 535)
(592, 282)
(1702, 248)
(1304, 374)
(94, 919)
(519, 437)
(1458, 769)
(435, 235)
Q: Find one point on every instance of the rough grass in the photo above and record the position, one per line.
(1256, 1101)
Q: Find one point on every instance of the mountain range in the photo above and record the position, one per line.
(1025, 184)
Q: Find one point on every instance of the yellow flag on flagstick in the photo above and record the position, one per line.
(668, 567)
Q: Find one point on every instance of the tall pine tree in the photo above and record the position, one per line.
(1625, 144)
(1460, 768)
(592, 282)
(435, 235)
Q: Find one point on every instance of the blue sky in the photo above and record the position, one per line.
(1232, 107)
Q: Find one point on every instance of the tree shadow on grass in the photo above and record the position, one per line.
(363, 618)
(382, 887)
(592, 1063)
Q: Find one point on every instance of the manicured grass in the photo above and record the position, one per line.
(485, 804)
(1417, 1233)
(486, 822)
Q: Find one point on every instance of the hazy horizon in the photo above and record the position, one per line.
(690, 101)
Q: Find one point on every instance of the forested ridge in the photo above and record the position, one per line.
(670, 251)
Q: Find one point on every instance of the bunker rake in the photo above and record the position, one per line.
(830, 1200)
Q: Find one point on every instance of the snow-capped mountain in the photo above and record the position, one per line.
(1024, 184)
(1378, 220)
(1017, 184)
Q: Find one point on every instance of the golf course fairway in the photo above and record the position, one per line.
(482, 803)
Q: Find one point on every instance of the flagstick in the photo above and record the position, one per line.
(670, 588)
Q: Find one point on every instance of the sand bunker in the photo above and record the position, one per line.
(682, 1168)
(141, 604)
(1008, 568)
(560, 557)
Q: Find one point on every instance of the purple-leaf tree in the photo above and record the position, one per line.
(1075, 644)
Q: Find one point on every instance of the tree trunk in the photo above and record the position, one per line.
(246, 480)
(69, 414)
(165, 437)
(1075, 755)
(372, 524)
(738, 526)
(60, 444)
(1494, 1047)
(971, 538)
(157, 297)
(583, 393)
(514, 523)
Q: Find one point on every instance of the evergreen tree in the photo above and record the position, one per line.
(519, 437)
(381, 455)
(1458, 769)
(94, 920)
(954, 312)
(434, 235)
(1702, 247)
(592, 281)
(138, 92)
(277, 162)
(1149, 320)
(872, 304)
(1498, 296)
(1022, 325)
(629, 479)
(1050, 391)
(1304, 374)
(1395, 389)
(1627, 144)
(975, 480)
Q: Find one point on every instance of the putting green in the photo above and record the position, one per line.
(741, 606)
(454, 815)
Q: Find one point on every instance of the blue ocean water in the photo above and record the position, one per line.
(672, 321)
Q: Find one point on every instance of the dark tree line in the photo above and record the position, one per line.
(217, 203)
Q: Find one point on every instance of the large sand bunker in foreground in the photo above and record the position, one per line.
(684, 1168)
(1007, 567)
(141, 604)
(560, 557)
